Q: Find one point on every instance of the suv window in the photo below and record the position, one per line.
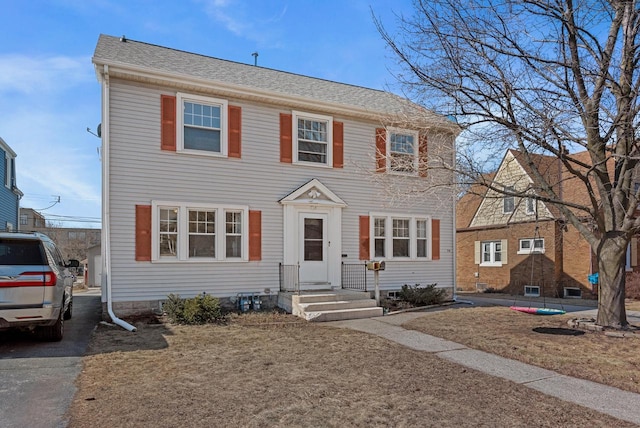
(21, 252)
(55, 254)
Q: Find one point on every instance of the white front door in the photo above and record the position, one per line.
(313, 248)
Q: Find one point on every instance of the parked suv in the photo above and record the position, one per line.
(36, 287)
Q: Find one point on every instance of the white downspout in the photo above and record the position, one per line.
(106, 221)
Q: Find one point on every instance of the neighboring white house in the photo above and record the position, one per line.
(216, 173)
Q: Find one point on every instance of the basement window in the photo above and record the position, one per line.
(572, 293)
(532, 291)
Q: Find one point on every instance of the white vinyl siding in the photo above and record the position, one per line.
(141, 173)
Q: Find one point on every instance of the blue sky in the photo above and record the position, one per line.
(49, 94)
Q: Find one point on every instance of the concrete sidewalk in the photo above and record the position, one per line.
(605, 399)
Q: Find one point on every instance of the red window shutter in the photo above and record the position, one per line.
(422, 156)
(255, 235)
(235, 134)
(381, 150)
(286, 138)
(143, 233)
(435, 239)
(338, 144)
(168, 123)
(364, 237)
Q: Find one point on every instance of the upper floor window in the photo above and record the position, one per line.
(313, 138)
(202, 125)
(531, 205)
(508, 201)
(403, 151)
(9, 169)
(24, 220)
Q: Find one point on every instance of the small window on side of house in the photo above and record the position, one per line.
(508, 201)
(531, 205)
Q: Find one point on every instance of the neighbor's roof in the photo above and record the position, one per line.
(144, 57)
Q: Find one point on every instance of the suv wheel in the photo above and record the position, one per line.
(54, 332)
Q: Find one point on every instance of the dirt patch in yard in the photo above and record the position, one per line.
(276, 370)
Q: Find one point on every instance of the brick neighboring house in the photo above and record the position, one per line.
(522, 246)
(9, 193)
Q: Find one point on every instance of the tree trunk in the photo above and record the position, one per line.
(611, 282)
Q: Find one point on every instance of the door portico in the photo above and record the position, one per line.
(313, 234)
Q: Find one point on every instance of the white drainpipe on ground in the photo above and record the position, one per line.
(106, 232)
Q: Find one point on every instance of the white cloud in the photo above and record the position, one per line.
(250, 22)
(30, 75)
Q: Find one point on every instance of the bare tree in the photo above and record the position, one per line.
(552, 77)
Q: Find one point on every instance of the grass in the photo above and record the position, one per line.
(593, 356)
(264, 370)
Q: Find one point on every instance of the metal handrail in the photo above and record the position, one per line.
(290, 278)
(354, 276)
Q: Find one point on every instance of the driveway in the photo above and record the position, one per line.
(37, 378)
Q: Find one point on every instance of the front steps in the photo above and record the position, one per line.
(330, 305)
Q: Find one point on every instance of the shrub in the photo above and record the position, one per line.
(201, 309)
(422, 296)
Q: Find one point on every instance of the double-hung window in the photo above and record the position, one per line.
(400, 237)
(202, 233)
(421, 238)
(233, 234)
(202, 125)
(199, 232)
(313, 138)
(403, 151)
(379, 237)
(491, 253)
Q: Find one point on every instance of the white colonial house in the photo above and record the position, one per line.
(234, 180)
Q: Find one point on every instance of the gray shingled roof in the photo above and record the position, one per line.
(111, 50)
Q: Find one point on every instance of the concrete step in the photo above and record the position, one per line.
(330, 297)
(336, 305)
(342, 314)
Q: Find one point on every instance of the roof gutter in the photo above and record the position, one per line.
(106, 221)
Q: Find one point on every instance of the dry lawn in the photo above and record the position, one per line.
(279, 371)
(593, 356)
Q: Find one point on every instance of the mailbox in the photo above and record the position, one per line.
(375, 265)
